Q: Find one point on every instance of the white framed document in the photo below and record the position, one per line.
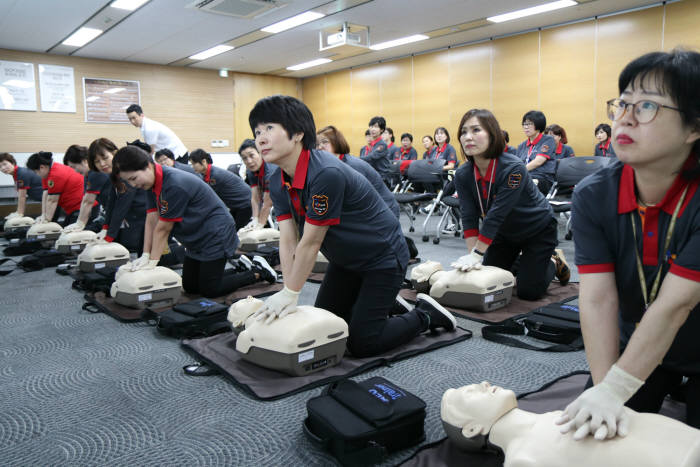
(56, 88)
(17, 86)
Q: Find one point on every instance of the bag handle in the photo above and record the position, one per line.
(495, 333)
(91, 307)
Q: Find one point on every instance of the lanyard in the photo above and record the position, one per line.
(648, 299)
(488, 195)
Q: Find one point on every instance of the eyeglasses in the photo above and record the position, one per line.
(643, 111)
(528, 124)
(321, 143)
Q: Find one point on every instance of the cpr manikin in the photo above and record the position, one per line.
(530, 439)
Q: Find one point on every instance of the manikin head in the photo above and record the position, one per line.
(474, 409)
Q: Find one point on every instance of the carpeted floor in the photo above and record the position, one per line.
(84, 389)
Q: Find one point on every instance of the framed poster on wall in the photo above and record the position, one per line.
(17, 86)
(106, 100)
(56, 88)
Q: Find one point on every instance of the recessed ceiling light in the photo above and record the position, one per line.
(82, 36)
(292, 22)
(301, 66)
(127, 4)
(397, 42)
(219, 49)
(531, 11)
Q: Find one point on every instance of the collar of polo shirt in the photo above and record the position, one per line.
(537, 140)
(490, 171)
(158, 181)
(300, 172)
(207, 176)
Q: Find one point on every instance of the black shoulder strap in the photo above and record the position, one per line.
(499, 333)
(7, 271)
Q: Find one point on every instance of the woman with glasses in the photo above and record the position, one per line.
(636, 226)
(604, 147)
(537, 151)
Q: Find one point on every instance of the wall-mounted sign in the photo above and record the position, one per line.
(106, 100)
(17, 86)
(56, 88)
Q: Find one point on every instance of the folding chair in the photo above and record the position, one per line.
(569, 172)
(426, 178)
(451, 205)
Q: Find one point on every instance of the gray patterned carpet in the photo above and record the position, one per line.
(84, 389)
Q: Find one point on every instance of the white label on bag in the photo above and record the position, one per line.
(261, 244)
(75, 247)
(488, 299)
(40, 237)
(304, 356)
(146, 296)
(99, 265)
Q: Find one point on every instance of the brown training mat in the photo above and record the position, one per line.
(101, 302)
(517, 306)
(552, 396)
(219, 351)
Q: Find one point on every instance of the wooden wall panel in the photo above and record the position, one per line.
(681, 25)
(470, 84)
(621, 39)
(515, 81)
(338, 104)
(196, 104)
(365, 103)
(431, 94)
(397, 97)
(314, 96)
(567, 55)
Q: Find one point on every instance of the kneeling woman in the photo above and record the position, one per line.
(182, 203)
(321, 203)
(517, 220)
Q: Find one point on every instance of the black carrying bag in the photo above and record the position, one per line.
(98, 281)
(197, 318)
(557, 323)
(23, 247)
(361, 423)
(42, 259)
(270, 253)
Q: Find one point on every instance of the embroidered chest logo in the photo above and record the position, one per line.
(50, 184)
(319, 203)
(163, 207)
(514, 180)
(545, 148)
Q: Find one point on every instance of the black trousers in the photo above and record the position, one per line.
(364, 300)
(209, 279)
(131, 237)
(658, 385)
(242, 216)
(535, 269)
(543, 185)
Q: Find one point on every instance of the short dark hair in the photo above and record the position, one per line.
(289, 112)
(130, 158)
(557, 130)
(247, 143)
(407, 135)
(164, 152)
(134, 108)
(338, 142)
(6, 156)
(140, 144)
(391, 132)
(199, 155)
(98, 146)
(427, 136)
(75, 154)
(38, 159)
(367, 132)
(444, 130)
(506, 137)
(536, 117)
(379, 121)
(497, 143)
(605, 127)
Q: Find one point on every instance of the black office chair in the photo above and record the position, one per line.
(424, 181)
(450, 204)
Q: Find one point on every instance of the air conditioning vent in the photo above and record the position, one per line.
(236, 8)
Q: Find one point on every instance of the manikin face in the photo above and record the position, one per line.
(556, 137)
(200, 167)
(529, 129)
(374, 131)
(386, 137)
(103, 161)
(274, 144)
(251, 158)
(663, 138)
(165, 161)
(135, 119)
(7, 168)
(601, 136)
(81, 168)
(474, 138)
(427, 142)
(406, 142)
(476, 407)
(440, 137)
(142, 179)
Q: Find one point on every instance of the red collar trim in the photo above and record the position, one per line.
(627, 199)
(390, 145)
(158, 183)
(605, 145)
(490, 172)
(441, 149)
(341, 157)
(14, 174)
(371, 145)
(537, 140)
(300, 172)
(261, 171)
(560, 147)
(405, 150)
(207, 176)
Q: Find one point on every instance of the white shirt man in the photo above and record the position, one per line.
(154, 133)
